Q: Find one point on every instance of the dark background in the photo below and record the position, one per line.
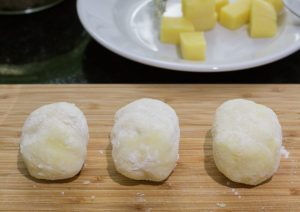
(28, 39)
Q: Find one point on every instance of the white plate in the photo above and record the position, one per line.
(129, 28)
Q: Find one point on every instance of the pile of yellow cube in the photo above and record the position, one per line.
(202, 15)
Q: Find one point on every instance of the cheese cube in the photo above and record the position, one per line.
(216, 15)
(192, 45)
(234, 15)
(263, 23)
(220, 4)
(171, 27)
(200, 12)
(277, 4)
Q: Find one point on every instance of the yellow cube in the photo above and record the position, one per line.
(216, 15)
(200, 12)
(277, 4)
(263, 23)
(171, 27)
(192, 45)
(235, 15)
(220, 4)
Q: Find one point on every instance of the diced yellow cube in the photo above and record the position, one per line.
(192, 45)
(171, 27)
(263, 23)
(220, 4)
(200, 12)
(216, 15)
(277, 4)
(235, 15)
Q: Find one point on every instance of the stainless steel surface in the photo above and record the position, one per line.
(18, 7)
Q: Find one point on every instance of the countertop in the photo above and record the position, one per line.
(53, 47)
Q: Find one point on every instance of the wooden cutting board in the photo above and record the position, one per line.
(195, 185)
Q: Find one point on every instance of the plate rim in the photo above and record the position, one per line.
(192, 67)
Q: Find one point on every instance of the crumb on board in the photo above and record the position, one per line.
(138, 194)
(221, 205)
(62, 193)
(284, 152)
(101, 152)
(140, 197)
(86, 182)
(236, 193)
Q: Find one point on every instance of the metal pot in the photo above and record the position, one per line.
(12, 7)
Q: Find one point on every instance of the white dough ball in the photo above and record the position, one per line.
(247, 139)
(145, 140)
(54, 141)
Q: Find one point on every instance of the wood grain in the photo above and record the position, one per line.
(195, 185)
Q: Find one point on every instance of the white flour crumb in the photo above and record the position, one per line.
(86, 182)
(239, 196)
(140, 197)
(101, 152)
(284, 152)
(93, 197)
(85, 165)
(235, 192)
(148, 210)
(221, 205)
(140, 194)
(62, 193)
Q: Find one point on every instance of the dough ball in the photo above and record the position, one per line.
(145, 140)
(54, 141)
(247, 140)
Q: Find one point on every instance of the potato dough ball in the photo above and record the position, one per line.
(145, 140)
(54, 141)
(246, 141)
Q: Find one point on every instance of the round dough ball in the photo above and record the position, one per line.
(145, 140)
(247, 140)
(54, 141)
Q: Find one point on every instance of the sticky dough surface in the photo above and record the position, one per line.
(247, 140)
(54, 141)
(145, 140)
